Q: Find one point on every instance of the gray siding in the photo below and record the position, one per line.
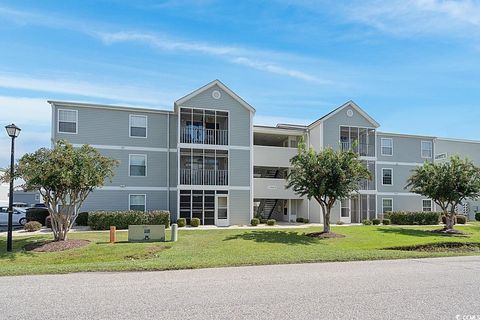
(401, 173)
(464, 149)
(240, 167)
(401, 202)
(173, 205)
(111, 127)
(239, 203)
(239, 116)
(118, 200)
(331, 126)
(173, 169)
(405, 148)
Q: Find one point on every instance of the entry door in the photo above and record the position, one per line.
(221, 210)
(345, 213)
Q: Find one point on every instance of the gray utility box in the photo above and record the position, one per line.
(144, 233)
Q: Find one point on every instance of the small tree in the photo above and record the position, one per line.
(65, 176)
(326, 176)
(447, 184)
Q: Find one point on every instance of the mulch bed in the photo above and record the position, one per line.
(447, 231)
(325, 235)
(54, 246)
(459, 247)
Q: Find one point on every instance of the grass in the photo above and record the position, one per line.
(227, 247)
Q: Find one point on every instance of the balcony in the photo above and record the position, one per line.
(200, 135)
(366, 185)
(363, 150)
(266, 156)
(204, 177)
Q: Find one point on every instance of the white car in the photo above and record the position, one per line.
(19, 216)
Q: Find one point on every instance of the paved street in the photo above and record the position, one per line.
(404, 289)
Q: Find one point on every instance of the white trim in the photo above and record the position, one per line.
(130, 126)
(120, 188)
(104, 106)
(138, 194)
(232, 94)
(431, 205)
(58, 121)
(408, 194)
(240, 147)
(421, 149)
(128, 148)
(130, 161)
(383, 210)
(413, 164)
(381, 147)
(347, 104)
(391, 184)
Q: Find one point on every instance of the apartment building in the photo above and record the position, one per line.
(206, 159)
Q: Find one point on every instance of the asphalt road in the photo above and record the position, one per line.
(441, 288)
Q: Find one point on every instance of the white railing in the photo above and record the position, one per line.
(366, 185)
(363, 149)
(191, 134)
(204, 177)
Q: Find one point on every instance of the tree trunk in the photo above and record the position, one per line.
(326, 221)
(449, 221)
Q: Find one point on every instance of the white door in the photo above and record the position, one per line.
(345, 211)
(221, 210)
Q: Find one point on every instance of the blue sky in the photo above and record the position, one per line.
(413, 65)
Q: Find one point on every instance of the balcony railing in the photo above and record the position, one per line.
(366, 185)
(204, 177)
(190, 134)
(363, 149)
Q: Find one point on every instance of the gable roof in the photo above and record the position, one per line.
(223, 87)
(350, 104)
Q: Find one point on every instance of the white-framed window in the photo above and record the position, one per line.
(427, 149)
(138, 126)
(387, 176)
(345, 208)
(427, 205)
(137, 165)
(387, 205)
(67, 121)
(137, 202)
(386, 145)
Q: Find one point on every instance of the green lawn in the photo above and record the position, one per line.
(223, 247)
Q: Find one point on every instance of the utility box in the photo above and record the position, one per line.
(144, 233)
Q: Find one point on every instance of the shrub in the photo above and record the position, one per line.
(263, 221)
(102, 220)
(376, 222)
(340, 222)
(82, 219)
(460, 219)
(413, 218)
(254, 222)
(37, 214)
(386, 222)
(300, 220)
(477, 216)
(181, 222)
(48, 222)
(305, 220)
(366, 222)
(32, 226)
(195, 222)
(271, 222)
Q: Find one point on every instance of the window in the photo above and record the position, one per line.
(137, 202)
(138, 126)
(138, 165)
(386, 146)
(387, 177)
(67, 121)
(427, 149)
(427, 205)
(345, 208)
(387, 205)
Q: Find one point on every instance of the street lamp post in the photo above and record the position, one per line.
(13, 131)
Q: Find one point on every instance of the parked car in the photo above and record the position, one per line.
(20, 204)
(19, 216)
(39, 205)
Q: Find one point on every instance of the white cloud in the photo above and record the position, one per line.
(418, 17)
(22, 110)
(65, 85)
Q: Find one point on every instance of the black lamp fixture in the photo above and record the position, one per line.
(13, 131)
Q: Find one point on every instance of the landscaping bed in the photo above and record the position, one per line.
(54, 246)
(442, 247)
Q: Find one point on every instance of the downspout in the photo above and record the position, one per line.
(168, 162)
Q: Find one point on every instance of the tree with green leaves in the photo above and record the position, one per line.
(447, 184)
(326, 176)
(65, 176)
